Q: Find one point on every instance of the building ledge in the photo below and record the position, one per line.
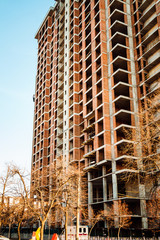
(49, 13)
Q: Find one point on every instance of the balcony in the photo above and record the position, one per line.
(120, 62)
(118, 26)
(116, 4)
(60, 133)
(123, 142)
(90, 128)
(122, 102)
(61, 59)
(153, 33)
(123, 116)
(154, 86)
(60, 94)
(117, 15)
(60, 144)
(60, 75)
(151, 48)
(60, 122)
(88, 141)
(61, 67)
(90, 154)
(121, 88)
(145, 4)
(118, 37)
(120, 75)
(119, 50)
(60, 84)
(60, 113)
(61, 42)
(152, 61)
(150, 23)
(153, 75)
(148, 12)
(123, 157)
(60, 103)
(62, 8)
(71, 123)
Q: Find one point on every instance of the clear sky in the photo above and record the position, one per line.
(19, 21)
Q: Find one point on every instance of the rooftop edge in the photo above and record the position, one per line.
(50, 11)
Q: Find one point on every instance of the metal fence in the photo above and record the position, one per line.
(27, 236)
(123, 238)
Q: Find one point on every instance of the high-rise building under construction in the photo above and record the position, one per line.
(97, 62)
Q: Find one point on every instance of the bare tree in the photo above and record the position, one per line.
(144, 143)
(13, 202)
(80, 198)
(101, 215)
(109, 218)
(5, 182)
(123, 214)
(142, 152)
(21, 213)
(9, 216)
(43, 199)
(72, 203)
(94, 218)
(153, 208)
(106, 215)
(47, 198)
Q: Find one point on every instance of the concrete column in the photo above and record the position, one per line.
(90, 189)
(114, 178)
(105, 208)
(104, 184)
(111, 111)
(143, 208)
(135, 105)
(66, 83)
(115, 187)
(104, 191)
(90, 194)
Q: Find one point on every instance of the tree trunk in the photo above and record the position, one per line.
(66, 224)
(0, 226)
(108, 229)
(77, 225)
(42, 230)
(78, 204)
(108, 233)
(9, 231)
(19, 231)
(91, 230)
(119, 229)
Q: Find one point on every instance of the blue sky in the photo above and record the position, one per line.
(19, 21)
